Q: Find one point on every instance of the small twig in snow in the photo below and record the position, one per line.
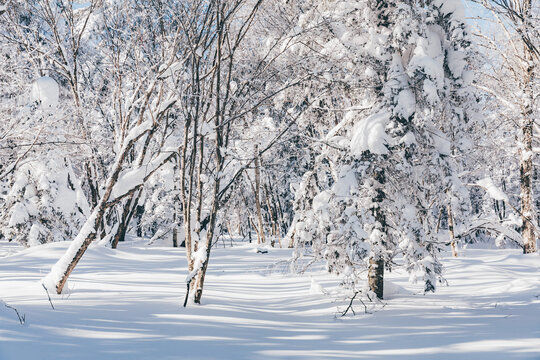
(22, 319)
(50, 301)
(351, 303)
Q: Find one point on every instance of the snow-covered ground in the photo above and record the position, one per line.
(126, 304)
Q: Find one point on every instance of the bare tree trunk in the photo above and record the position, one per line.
(525, 173)
(272, 214)
(439, 221)
(376, 276)
(451, 231)
(186, 196)
(122, 226)
(200, 185)
(218, 157)
(376, 262)
(174, 232)
(526, 154)
(175, 207)
(260, 232)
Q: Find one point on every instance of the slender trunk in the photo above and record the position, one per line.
(186, 199)
(218, 158)
(526, 154)
(376, 261)
(451, 231)
(439, 221)
(200, 185)
(272, 213)
(174, 232)
(525, 171)
(90, 178)
(260, 232)
(122, 226)
(175, 212)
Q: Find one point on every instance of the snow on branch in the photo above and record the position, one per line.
(135, 134)
(484, 224)
(135, 178)
(492, 190)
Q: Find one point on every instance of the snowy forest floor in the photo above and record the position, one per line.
(126, 304)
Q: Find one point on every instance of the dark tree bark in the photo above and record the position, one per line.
(376, 262)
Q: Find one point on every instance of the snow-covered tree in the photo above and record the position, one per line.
(508, 32)
(390, 163)
(44, 204)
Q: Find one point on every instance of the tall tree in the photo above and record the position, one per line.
(141, 95)
(390, 163)
(511, 78)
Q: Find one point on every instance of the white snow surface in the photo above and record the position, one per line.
(126, 304)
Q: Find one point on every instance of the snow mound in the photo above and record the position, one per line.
(392, 290)
(316, 288)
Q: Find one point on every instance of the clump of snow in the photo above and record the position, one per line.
(321, 200)
(408, 139)
(132, 178)
(45, 92)
(492, 190)
(36, 232)
(406, 105)
(369, 134)
(442, 144)
(199, 257)
(392, 290)
(456, 63)
(19, 215)
(346, 183)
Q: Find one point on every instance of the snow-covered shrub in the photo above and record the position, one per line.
(44, 203)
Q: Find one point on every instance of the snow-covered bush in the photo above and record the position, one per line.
(45, 203)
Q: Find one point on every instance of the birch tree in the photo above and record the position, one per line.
(233, 81)
(511, 79)
(140, 112)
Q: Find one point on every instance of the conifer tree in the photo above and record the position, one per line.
(390, 162)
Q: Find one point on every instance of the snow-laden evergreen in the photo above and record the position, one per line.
(45, 203)
(376, 189)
